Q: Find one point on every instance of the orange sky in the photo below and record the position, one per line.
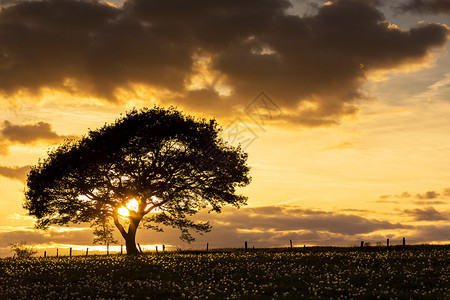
(356, 146)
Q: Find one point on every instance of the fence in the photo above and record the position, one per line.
(246, 248)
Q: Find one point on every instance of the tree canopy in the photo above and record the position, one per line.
(158, 165)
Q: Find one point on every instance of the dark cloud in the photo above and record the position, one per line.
(313, 65)
(428, 195)
(426, 6)
(404, 195)
(18, 173)
(431, 198)
(27, 134)
(431, 233)
(47, 236)
(282, 219)
(425, 214)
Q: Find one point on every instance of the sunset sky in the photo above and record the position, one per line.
(343, 107)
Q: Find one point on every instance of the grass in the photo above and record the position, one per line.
(418, 272)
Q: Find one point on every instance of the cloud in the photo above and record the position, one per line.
(427, 198)
(429, 202)
(446, 192)
(17, 173)
(426, 214)
(3, 147)
(285, 219)
(426, 6)
(27, 134)
(208, 55)
(432, 233)
(84, 236)
(404, 195)
(428, 195)
(387, 198)
(386, 201)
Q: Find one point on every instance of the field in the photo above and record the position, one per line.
(320, 273)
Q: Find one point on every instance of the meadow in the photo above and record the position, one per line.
(315, 273)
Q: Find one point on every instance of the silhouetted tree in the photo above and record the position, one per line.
(22, 250)
(103, 231)
(167, 164)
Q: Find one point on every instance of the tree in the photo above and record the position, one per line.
(103, 231)
(22, 250)
(152, 167)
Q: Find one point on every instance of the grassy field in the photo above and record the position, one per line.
(318, 273)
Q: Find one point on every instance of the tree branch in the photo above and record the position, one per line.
(118, 225)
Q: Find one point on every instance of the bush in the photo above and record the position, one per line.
(22, 250)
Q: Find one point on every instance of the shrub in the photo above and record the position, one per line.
(22, 250)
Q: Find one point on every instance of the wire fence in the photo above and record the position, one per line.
(207, 247)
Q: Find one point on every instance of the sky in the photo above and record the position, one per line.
(343, 107)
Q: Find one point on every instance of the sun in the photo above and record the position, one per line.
(123, 211)
(133, 205)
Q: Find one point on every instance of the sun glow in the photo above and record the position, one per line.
(123, 211)
(205, 77)
(133, 205)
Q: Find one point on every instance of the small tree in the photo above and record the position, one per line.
(152, 167)
(103, 231)
(22, 250)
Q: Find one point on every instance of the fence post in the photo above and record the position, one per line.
(164, 248)
(140, 248)
(362, 244)
(70, 252)
(207, 247)
(45, 254)
(57, 252)
(404, 242)
(87, 251)
(156, 248)
(246, 249)
(121, 249)
(291, 243)
(107, 248)
(387, 243)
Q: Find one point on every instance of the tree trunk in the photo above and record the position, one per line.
(130, 236)
(130, 240)
(130, 243)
